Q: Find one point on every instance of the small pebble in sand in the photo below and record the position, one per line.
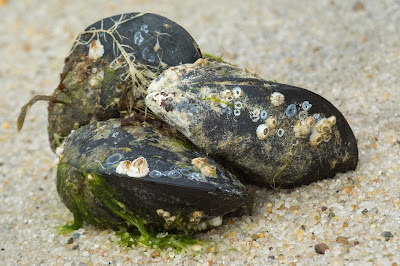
(155, 254)
(321, 248)
(342, 240)
(387, 235)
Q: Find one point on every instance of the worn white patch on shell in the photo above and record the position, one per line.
(202, 226)
(277, 99)
(168, 77)
(160, 97)
(96, 50)
(138, 168)
(214, 222)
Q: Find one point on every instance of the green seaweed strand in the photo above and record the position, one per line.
(101, 190)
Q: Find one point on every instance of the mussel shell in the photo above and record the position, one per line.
(155, 40)
(173, 187)
(257, 128)
(100, 87)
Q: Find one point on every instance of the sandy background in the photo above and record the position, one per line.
(347, 51)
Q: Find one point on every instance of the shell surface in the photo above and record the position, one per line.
(175, 182)
(285, 148)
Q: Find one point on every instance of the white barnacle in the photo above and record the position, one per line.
(303, 115)
(196, 216)
(309, 121)
(277, 99)
(306, 105)
(332, 120)
(316, 117)
(138, 168)
(281, 132)
(155, 174)
(237, 92)
(291, 110)
(92, 82)
(227, 95)
(238, 105)
(255, 115)
(316, 139)
(323, 126)
(299, 130)
(166, 214)
(170, 220)
(96, 50)
(264, 114)
(271, 123)
(262, 131)
(122, 167)
(302, 128)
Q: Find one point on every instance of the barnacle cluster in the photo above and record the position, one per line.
(136, 168)
(322, 131)
(204, 165)
(277, 99)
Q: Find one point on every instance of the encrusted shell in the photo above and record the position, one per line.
(110, 66)
(304, 139)
(160, 178)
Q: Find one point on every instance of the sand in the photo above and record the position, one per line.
(346, 51)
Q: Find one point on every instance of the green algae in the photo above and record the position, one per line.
(218, 100)
(142, 234)
(214, 57)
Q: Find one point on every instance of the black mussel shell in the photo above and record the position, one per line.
(112, 176)
(268, 133)
(110, 66)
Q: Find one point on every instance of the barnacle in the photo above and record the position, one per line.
(271, 123)
(291, 110)
(237, 92)
(138, 168)
(277, 99)
(96, 50)
(204, 165)
(255, 115)
(264, 114)
(316, 139)
(262, 131)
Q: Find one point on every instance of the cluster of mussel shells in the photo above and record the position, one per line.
(149, 132)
